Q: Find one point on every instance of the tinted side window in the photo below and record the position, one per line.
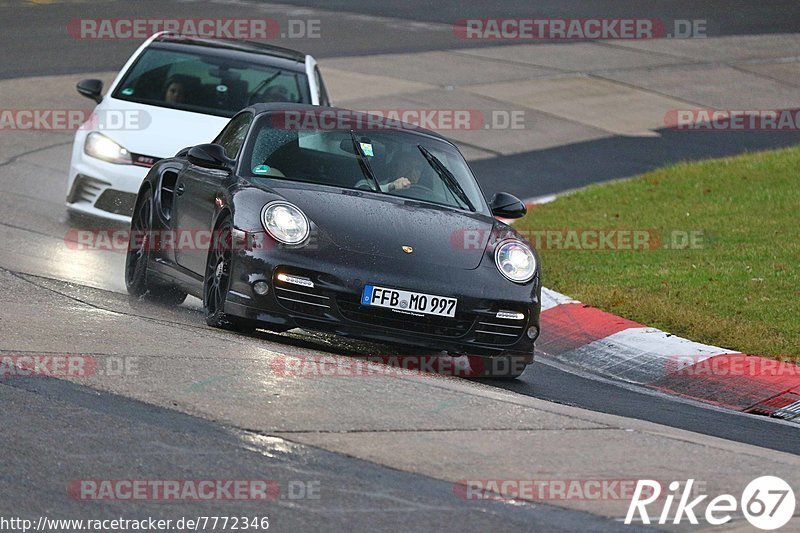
(233, 135)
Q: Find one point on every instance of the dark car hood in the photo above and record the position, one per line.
(369, 223)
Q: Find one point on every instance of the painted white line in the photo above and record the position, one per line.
(640, 355)
(791, 411)
(551, 299)
(539, 200)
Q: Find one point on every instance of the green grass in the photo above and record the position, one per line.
(739, 290)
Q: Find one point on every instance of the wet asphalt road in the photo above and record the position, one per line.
(43, 410)
(80, 434)
(724, 17)
(37, 41)
(571, 165)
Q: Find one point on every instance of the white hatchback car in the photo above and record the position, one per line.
(174, 92)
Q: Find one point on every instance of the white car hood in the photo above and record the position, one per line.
(160, 132)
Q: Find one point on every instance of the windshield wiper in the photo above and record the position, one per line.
(264, 84)
(447, 177)
(363, 162)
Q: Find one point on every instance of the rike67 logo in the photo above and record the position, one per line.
(767, 503)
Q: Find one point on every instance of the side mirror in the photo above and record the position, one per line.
(209, 156)
(507, 206)
(92, 89)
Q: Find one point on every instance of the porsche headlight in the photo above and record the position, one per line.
(99, 146)
(285, 222)
(515, 261)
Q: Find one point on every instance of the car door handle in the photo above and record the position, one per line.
(180, 189)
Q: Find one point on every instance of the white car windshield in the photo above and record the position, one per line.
(208, 83)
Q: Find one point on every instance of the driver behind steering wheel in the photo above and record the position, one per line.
(414, 168)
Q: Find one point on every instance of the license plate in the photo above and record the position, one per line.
(409, 302)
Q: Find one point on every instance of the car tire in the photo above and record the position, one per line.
(216, 282)
(138, 281)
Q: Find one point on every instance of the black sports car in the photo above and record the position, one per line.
(327, 219)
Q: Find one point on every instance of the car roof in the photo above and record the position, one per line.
(253, 47)
(387, 123)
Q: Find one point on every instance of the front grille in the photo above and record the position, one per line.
(117, 202)
(498, 331)
(426, 325)
(301, 299)
(86, 189)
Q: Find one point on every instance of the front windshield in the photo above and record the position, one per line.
(392, 158)
(202, 82)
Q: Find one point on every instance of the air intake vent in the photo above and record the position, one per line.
(86, 189)
(168, 181)
(300, 299)
(498, 332)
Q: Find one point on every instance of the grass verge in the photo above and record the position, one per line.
(717, 257)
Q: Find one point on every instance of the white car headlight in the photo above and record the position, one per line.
(99, 146)
(515, 261)
(285, 222)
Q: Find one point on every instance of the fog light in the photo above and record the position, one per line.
(261, 287)
(533, 332)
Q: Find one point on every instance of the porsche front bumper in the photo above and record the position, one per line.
(332, 301)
